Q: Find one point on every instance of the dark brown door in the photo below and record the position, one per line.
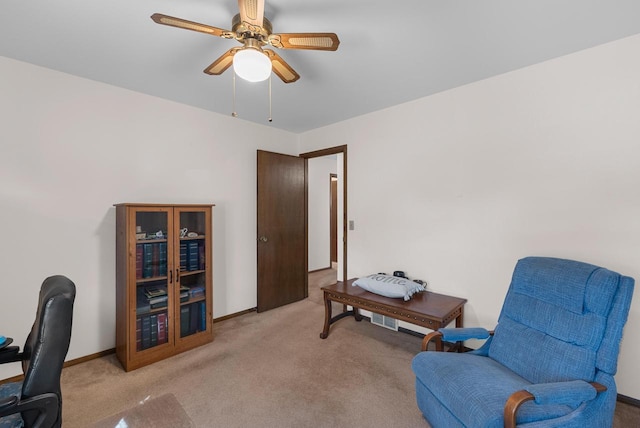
(282, 244)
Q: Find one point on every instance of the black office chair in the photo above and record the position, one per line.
(37, 401)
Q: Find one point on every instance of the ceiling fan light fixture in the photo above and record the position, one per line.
(252, 65)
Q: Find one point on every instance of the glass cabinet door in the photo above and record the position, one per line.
(193, 237)
(153, 274)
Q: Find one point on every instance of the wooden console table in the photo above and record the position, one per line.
(426, 309)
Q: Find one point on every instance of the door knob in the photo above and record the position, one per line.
(263, 239)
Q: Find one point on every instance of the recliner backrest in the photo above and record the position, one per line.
(48, 342)
(561, 320)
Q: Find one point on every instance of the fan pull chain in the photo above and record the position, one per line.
(270, 119)
(234, 113)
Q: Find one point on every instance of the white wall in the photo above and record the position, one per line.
(71, 148)
(319, 203)
(456, 187)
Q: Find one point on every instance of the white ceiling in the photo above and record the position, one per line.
(390, 51)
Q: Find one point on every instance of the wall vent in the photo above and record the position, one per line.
(384, 321)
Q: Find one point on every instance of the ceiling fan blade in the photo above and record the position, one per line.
(315, 41)
(189, 25)
(220, 65)
(251, 12)
(281, 68)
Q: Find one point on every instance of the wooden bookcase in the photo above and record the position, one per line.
(164, 281)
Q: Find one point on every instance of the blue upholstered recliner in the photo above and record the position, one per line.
(550, 361)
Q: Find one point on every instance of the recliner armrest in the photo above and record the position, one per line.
(455, 335)
(570, 393)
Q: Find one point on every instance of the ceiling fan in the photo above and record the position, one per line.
(254, 31)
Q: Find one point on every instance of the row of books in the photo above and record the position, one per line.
(151, 330)
(151, 260)
(193, 318)
(192, 255)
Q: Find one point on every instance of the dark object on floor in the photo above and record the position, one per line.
(550, 361)
(37, 401)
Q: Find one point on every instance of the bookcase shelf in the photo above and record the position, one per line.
(152, 279)
(164, 281)
(189, 273)
(197, 299)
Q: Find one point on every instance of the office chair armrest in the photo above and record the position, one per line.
(10, 354)
(46, 404)
(8, 403)
(455, 335)
(570, 393)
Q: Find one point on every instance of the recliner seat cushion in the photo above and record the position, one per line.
(464, 394)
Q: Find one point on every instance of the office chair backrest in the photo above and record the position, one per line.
(48, 342)
(561, 320)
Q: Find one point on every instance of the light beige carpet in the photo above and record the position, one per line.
(265, 370)
(163, 411)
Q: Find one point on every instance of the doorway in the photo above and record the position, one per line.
(282, 226)
(333, 220)
(324, 240)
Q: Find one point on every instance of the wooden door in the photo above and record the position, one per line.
(282, 224)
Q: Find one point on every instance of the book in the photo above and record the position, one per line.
(155, 291)
(185, 319)
(193, 257)
(184, 293)
(196, 291)
(158, 299)
(156, 296)
(155, 260)
(153, 331)
(146, 332)
(166, 326)
(158, 305)
(162, 327)
(162, 268)
(203, 316)
(193, 321)
(183, 256)
(201, 256)
(147, 264)
(138, 334)
(139, 261)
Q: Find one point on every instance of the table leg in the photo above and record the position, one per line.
(327, 317)
(459, 324)
(460, 318)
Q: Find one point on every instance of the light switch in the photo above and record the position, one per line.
(352, 225)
